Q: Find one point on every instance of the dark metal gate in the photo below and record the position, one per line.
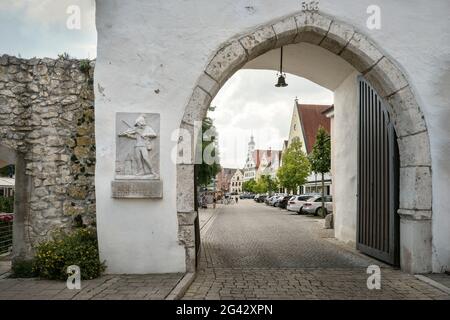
(377, 219)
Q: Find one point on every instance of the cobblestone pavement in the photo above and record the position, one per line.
(252, 251)
(123, 287)
(5, 266)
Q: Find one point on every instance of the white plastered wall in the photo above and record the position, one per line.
(345, 156)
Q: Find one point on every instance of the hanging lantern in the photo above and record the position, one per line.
(281, 76)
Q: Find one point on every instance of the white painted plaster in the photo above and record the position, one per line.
(345, 157)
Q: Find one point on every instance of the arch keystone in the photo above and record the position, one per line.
(285, 31)
(312, 27)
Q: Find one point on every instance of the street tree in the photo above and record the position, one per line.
(260, 186)
(295, 167)
(320, 159)
(249, 186)
(271, 184)
(207, 170)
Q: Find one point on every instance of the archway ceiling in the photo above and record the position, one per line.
(308, 61)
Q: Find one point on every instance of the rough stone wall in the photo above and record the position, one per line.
(47, 115)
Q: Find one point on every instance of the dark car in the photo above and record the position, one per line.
(261, 198)
(283, 202)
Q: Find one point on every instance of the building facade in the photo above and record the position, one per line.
(306, 120)
(223, 180)
(236, 182)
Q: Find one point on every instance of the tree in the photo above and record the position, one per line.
(249, 186)
(271, 184)
(260, 186)
(206, 172)
(295, 168)
(320, 158)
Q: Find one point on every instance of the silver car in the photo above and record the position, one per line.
(296, 202)
(313, 205)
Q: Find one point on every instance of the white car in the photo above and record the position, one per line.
(313, 205)
(296, 202)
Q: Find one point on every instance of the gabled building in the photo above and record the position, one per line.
(236, 182)
(306, 120)
(260, 162)
(268, 162)
(223, 179)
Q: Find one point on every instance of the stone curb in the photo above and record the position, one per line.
(182, 286)
(433, 283)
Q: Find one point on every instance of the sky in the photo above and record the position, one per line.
(39, 28)
(247, 103)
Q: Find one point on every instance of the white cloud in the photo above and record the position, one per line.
(250, 103)
(38, 28)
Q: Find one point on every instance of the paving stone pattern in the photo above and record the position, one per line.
(252, 251)
(123, 287)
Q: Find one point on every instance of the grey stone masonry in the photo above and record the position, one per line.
(47, 114)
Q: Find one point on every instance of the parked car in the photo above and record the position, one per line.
(275, 200)
(296, 202)
(261, 198)
(246, 196)
(283, 202)
(268, 200)
(313, 205)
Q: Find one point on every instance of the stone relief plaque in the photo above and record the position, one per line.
(137, 156)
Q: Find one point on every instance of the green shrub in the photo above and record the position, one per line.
(77, 248)
(23, 269)
(7, 204)
(85, 66)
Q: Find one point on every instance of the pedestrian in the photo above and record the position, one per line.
(214, 202)
(237, 198)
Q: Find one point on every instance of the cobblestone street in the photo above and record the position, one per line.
(108, 287)
(252, 251)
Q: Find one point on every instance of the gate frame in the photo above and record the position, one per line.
(381, 71)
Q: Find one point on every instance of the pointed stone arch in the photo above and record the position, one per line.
(380, 70)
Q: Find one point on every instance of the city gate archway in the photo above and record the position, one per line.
(377, 68)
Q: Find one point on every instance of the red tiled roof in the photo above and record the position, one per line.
(269, 154)
(311, 118)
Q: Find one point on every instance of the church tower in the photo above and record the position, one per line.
(251, 148)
